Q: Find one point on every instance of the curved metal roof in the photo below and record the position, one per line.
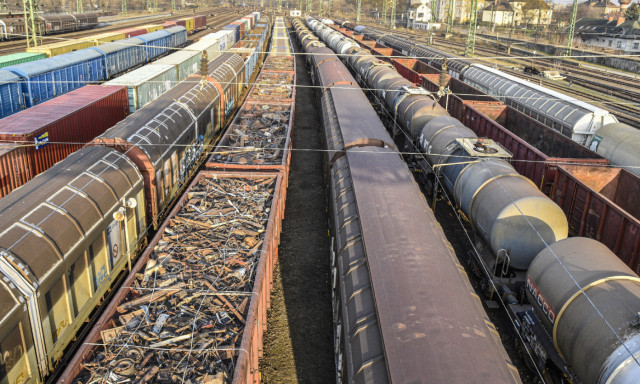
(34, 68)
(45, 219)
(563, 109)
(119, 45)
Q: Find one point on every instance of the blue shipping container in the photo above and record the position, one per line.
(10, 95)
(156, 43)
(178, 35)
(235, 28)
(47, 78)
(120, 56)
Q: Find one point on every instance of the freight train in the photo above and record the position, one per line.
(574, 304)
(27, 84)
(48, 122)
(584, 123)
(14, 28)
(67, 234)
(240, 265)
(395, 275)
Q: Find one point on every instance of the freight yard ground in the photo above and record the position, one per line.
(298, 344)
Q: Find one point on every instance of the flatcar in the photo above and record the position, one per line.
(67, 234)
(574, 302)
(394, 273)
(14, 28)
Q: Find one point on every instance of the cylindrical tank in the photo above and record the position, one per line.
(506, 209)
(378, 72)
(437, 140)
(385, 83)
(393, 89)
(363, 64)
(620, 143)
(510, 213)
(415, 111)
(355, 55)
(566, 283)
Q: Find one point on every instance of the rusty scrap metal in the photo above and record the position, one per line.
(273, 85)
(184, 317)
(278, 64)
(258, 136)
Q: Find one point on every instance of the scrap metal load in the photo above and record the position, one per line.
(260, 135)
(189, 310)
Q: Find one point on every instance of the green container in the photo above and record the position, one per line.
(146, 83)
(186, 62)
(19, 58)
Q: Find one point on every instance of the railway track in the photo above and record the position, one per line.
(14, 46)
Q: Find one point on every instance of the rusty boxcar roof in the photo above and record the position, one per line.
(45, 218)
(356, 125)
(426, 309)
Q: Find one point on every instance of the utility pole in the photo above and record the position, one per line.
(358, 9)
(173, 5)
(572, 29)
(309, 6)
(450, 14)
(320, 7)
(149, 5)
(80, 6)
(384, 12)
(471, 33)
(433, 11)
(31, 24)
(123, 6)
(392, 22)
(300, 5)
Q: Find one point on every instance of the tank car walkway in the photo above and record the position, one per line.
(298, 345)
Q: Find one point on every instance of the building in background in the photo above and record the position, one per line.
(507, 13)
(419, 15)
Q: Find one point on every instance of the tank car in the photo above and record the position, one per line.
(522, 227)
(620, 143)
(392, 263)
(565, 283)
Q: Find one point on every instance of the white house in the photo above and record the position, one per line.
(419, 15)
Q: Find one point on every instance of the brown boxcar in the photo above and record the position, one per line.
(14, 167)
(199, 22)
(601, 203)
(132, 32)
(52, 130)
(242, 29)
(230, 309)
